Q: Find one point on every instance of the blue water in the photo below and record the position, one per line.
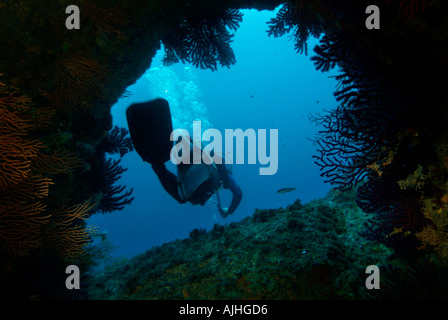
(270, 87)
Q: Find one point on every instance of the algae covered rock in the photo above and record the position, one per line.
(299, 252)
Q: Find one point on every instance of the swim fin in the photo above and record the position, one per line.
(150, 127)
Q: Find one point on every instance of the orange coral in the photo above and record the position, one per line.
(408, 8)
(376, 168)
(444, 198)
(66, 231)
(44, 117)
(11, 122)
(429, 236)
(435, 235)
(21, 215)
(20, 103)
(15, 158)
(16, 150)
(26, 222)
(109, 20)
(61, 161)
(79, 83)
(34, 186)
(20, 226)
(82, 70)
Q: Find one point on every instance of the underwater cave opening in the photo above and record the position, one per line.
(270, 86)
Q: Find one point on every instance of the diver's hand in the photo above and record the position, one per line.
(224, 212)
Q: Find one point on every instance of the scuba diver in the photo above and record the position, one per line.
(150, 127)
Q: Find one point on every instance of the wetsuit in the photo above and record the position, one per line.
(169, 182)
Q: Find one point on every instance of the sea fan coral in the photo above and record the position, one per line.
(21, 226)
(300, 19)
(117, 141)
(203, 41)
(365, 128)
(409, 8)
(27, 209)
(61, 161)
(22, 214)
(108, 20)
(435, 233)
(113, 197)
(79, 83)
(379, 134)
(16, 153)
(67, 232)
(393, 208)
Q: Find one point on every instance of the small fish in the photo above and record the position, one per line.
(285, 190)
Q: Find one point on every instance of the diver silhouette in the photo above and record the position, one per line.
(150, 127)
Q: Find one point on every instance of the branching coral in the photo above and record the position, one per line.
(21, 226)
(203, 41)
(301, 19)
(26, 214)
(341, 158)
(435, 234)
(409, 8)
(108, 20)
(67, 232)
(80, 83)
(15, 158)
(394, 209)
(379, 134)
(114, 197)
(61, 161)
(10, 121)
(356, 136)
(16, 148)
(117, 141)
(21, 213)
(33, 187)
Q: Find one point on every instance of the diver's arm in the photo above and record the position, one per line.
(237, 195)
(229, 183)
(168, 181)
